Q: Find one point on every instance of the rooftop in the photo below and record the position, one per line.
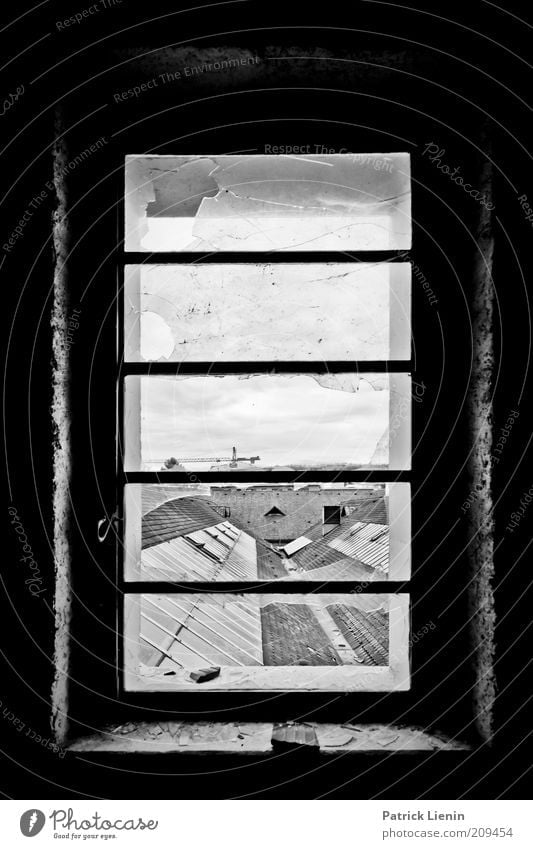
(176, 518)
(188, 538)
(190, 632)
(358, 546)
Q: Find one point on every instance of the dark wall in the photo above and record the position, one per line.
(333, 78)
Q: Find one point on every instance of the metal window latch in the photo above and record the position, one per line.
(107, 524)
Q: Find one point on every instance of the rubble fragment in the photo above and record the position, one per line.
(208, 674)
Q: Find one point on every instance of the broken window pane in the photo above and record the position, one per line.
(266, 642)
(267, 532)
(279, 422)
(268, 203)
(272, 312)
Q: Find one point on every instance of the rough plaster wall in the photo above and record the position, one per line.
(481, 531)
(303, 509)
(61, 421)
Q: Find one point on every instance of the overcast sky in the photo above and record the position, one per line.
(282, 419)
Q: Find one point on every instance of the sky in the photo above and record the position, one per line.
(283, 419)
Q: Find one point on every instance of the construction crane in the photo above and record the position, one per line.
(233, 460)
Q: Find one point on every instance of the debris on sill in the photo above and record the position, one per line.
(207, 674)
(291, 735)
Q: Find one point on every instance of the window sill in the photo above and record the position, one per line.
(260, 738)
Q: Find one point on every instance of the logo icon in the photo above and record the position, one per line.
(32, 822)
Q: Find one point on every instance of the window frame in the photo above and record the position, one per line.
(477, 714)
(146, 695)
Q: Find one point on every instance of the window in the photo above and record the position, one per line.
(332, 515)
(302, 363)
(453, 299)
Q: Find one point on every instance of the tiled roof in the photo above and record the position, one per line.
(176, 518)
(367, 633)
(193, 631)
(292, 636)
(274, 511)
(364, 541)
(368, 510)
(154, 494)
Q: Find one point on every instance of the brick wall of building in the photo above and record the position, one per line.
(302, 508)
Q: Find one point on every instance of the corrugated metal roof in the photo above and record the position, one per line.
(202, 556)
(293, 734)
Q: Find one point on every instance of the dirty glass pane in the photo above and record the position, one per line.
(268, 203)
(200, 532)
(279, 422)
(267, 312)
(266, 641)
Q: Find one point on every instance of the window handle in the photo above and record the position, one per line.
(107, 524)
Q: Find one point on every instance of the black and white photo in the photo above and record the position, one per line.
(265, 422)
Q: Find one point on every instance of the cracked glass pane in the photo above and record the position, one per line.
(267, 532)
(268, 203)
(267, 312)
(278, 422)
(266, 641)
